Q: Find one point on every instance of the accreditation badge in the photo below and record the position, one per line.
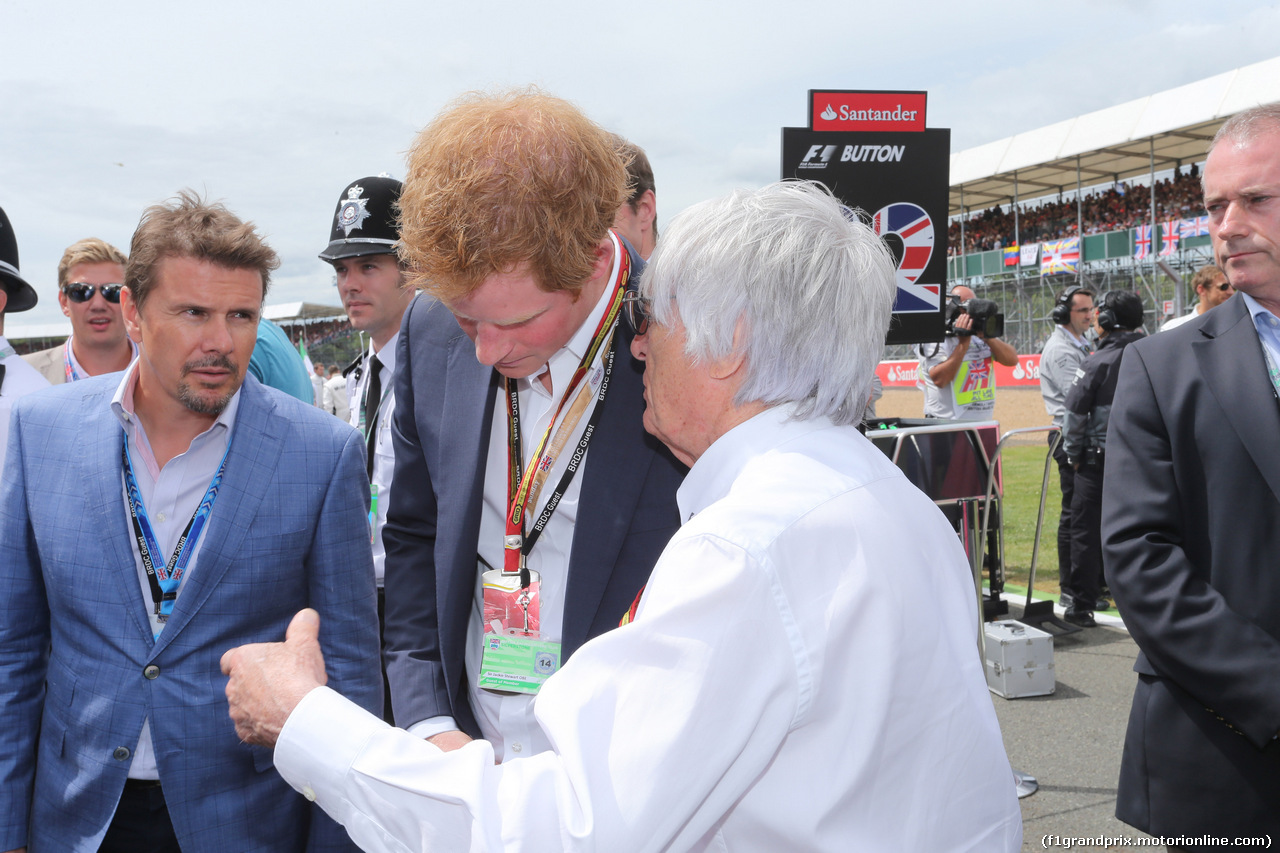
(516, 664)
(515, 657)
(373, 512)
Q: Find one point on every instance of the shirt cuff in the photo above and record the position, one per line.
(433, 726)
(321, 740)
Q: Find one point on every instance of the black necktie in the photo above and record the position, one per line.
(372, 397)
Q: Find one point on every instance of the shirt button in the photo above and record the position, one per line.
(515, 747)
(152, 672)
(120, 753)
(309, 793)
(160, 517)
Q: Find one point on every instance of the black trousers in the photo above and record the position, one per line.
(1086, 538)
(141, 823)
(1067, 481)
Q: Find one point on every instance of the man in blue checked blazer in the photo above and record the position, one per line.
(149, 521)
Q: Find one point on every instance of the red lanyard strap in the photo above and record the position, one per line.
(520, 481)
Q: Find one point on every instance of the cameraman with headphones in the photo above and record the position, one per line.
(1061, 357)
(1118, 323)
(956, 375)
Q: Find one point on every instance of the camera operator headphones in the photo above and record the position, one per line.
(1120, 309)
(1062, 308)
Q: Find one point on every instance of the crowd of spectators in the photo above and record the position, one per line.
(1122, 206)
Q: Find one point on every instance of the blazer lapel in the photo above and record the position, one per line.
(102, 472)
(1234, 368)
(256, 445)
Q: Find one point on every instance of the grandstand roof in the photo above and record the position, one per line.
(289, 313)
(1110, 144)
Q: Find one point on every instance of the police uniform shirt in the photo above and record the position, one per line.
(384, 459)
(19, 378)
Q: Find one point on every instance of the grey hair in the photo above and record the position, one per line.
(811, 285)
(1246, 126)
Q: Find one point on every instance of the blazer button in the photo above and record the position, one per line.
(121, 753)
(152, 672)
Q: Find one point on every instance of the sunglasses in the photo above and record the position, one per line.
(1225, 286)
(635, 308)
(81, 292)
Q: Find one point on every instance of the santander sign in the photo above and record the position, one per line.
(882, 111)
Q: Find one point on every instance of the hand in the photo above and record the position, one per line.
(268, 680)
(449, 741)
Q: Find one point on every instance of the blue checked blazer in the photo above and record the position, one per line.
(288, 530)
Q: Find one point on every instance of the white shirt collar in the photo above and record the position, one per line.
(386, 355)
(122, 407)
(1080, 342)
(714, 472)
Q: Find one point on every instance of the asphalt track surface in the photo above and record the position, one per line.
(1071, 741)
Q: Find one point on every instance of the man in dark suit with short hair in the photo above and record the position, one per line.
(1191, 529)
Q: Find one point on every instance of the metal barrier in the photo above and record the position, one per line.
(1037, 613)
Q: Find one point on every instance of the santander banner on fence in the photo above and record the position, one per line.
(902, 374)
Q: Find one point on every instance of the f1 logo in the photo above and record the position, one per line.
(815, 150)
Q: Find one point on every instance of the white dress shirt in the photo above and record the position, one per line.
(335, 398)
(19, 378)
(171, 496)
(1175, 322)
(802, 674)
(384, 455)
(507, 721)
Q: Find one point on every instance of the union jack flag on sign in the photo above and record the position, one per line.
(1195, 227)
(1142, 242)
(912, 225)
(1169, 231)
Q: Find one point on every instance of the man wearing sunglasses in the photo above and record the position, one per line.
(1212, 289)
(520, 452)
(90, 276)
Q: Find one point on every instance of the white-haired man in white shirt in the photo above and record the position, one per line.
(754, 699)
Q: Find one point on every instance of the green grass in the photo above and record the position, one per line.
(1023, 474)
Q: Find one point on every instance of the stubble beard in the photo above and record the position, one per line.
(191, 398)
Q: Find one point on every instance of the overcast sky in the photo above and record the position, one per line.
(274, 106)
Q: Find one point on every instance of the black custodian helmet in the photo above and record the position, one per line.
(22, 296)
(364, 222)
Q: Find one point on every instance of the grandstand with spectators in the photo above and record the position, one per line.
(1110, 199)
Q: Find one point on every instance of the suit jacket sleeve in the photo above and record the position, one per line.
(414, 668)
(342, 590)
(24, 645)
(1075, 413)
(1187, 631)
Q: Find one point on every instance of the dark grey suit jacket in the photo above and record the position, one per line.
(444, 410)
(1191, 529)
